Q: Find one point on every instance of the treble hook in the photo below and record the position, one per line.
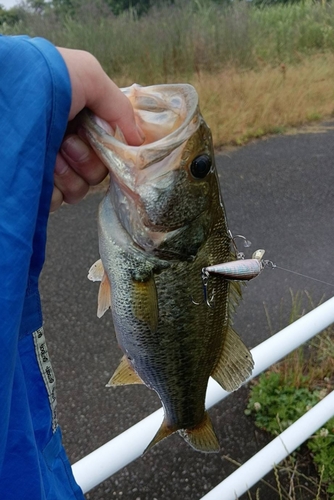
(205, 279)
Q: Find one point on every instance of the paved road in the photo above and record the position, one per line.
(279, 193)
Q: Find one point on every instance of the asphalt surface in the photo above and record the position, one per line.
(278, 192)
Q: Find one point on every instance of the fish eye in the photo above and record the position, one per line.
(200, 166)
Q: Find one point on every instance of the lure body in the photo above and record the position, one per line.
(237, 270)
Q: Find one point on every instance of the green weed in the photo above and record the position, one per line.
(322, 448)
(290, 388)
(276, 404)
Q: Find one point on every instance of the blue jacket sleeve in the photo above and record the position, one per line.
(35, 98)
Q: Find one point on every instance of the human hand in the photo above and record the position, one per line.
(77, 166)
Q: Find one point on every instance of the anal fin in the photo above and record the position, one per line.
(235, 364)
(124, 375)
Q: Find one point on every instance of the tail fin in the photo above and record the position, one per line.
(163, 432)
(201, 438)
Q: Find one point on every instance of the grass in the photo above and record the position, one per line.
(258, 70)
(181, 38)
(242, 105)
(292, 481)
(285, 392)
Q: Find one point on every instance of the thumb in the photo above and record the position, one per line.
(92, 88)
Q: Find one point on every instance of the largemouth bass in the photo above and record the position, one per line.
(162, 221)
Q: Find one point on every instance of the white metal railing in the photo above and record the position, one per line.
(262, 462)
(126, 447)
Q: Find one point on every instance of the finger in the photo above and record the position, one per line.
(91, 87)
(72, 186)
(116, 109)
(83, 160)
(57, 199)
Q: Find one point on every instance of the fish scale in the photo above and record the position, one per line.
(162, 221)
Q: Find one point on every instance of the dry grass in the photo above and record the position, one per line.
(240, 105)
(313, 362)
(258, 70)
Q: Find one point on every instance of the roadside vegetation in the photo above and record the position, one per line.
(283, 394)
(258, 68)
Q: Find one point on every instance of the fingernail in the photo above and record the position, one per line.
(61, 166)
(75, 148)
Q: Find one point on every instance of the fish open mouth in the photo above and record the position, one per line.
(146, 180)
(163, 114)
(168, 117)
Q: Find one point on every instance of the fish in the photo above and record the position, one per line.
(160, 223)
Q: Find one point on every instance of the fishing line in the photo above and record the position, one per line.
(270, 264)
(243, 270)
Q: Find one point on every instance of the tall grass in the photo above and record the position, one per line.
(241, 105)
(180, 39)
(172, 41)
(257, 69)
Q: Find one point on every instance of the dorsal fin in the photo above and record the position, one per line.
(235, 295)
(235, 364)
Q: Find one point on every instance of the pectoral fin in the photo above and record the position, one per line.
(96, 272)
(124, 375)
(145, 302)
(235, 364)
